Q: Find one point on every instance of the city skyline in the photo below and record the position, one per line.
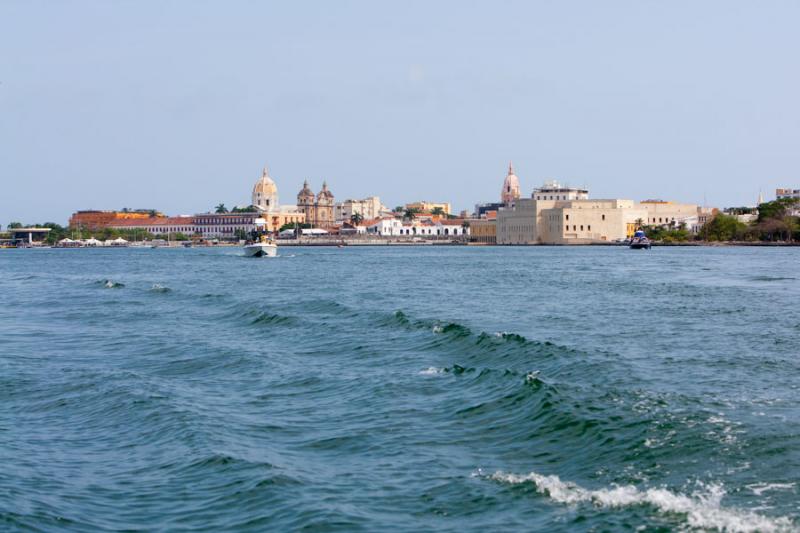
(111, 106)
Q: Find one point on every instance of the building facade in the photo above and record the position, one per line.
(369, 208)
(159, 226)
(483, 231)
(93, 220)
(318, 210)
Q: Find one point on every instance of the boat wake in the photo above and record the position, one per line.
(701, 510)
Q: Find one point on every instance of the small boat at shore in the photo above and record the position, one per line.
(640, 241)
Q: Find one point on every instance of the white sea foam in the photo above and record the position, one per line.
(760, 488)
(432, 371)
(702, 510)
(438, 329)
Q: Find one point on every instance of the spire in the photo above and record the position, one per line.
(760, 198)
(266, 172)
(510, 168)
(324, 185)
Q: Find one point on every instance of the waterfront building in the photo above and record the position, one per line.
(428, 207)
(94, 219)
(369, 208)
(227, 225)
(663, 213)
(384, 227)
(159, 225)
(394, 227)
(318, 210)
(510, 192)
(588, 221)
(517, 225)
(28, 236)
(556, 214)
(483, 231)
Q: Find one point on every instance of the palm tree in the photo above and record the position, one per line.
(639, 223)
(356, 219)
(221, 209)
(438, 211)
(410, 214)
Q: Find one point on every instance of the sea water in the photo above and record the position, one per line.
(400, 388)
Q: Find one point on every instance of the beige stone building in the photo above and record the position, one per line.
(369, 208)
(567, 221)
(661, 213)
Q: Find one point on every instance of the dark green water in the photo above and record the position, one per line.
(408, 389)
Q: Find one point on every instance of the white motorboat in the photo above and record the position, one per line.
(261, 249)
(263, 246)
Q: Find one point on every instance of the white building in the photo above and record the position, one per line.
(385, 227)
(392, 227)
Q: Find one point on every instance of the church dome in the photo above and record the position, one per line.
(265, 192)
(510, 192)
(306, 191)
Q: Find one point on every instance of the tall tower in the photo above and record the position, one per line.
(265, 193)
(305, 202)
(324, 207)
(510, 192)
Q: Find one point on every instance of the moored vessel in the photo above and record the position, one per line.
(640, 241)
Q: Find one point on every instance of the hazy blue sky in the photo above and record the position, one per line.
(177, 105)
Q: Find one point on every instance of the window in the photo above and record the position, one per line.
(604, 217)
(581, 227)
(567, 217)
(588, 228)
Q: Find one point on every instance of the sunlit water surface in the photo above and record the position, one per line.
(422, 388)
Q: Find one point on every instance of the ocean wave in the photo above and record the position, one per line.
(109, 284)
(160, 288)
(701, 510)
(760, 488)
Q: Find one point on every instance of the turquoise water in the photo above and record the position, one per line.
(422, 388)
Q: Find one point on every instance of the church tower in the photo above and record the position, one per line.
(305, 202)
(510, 193)
(324, 207)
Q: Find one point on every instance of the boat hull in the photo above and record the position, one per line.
(640, 246)
(260, 250)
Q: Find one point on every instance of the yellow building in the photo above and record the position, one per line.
(427, 207)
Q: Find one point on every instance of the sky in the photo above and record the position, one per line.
(178, 105)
